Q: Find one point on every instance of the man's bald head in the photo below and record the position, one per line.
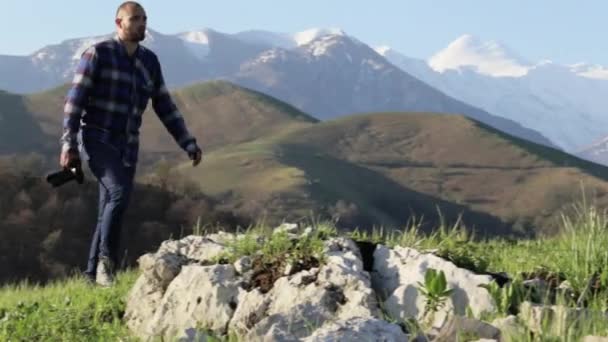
(126, 7)
(131, 22)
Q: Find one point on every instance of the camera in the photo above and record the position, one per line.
(67, 174)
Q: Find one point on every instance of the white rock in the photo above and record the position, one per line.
(307, 232)
(252, 308)
(341, 245)
(409, 267)
(385, 272)
(163, 267)
(511, 328)
(555, 319)
(358, 329)
(301, 303)
(142, 302)
(594, 339)
(462, 325)
(200, 296)
(243, 264)
(290, 228)
(221, 237)
(197, 248)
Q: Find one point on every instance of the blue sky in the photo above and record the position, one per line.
(563, 31)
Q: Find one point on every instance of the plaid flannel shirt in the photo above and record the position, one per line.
(109, 94)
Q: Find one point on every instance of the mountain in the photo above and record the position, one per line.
(336, 75)
(324, 72)
(487, 58)
(565, 103)
(596, 152)
(285, 40)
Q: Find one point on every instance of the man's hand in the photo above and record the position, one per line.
(69, 158)
(196, 156)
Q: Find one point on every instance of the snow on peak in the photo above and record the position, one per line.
(269, 56)
(80, 45)
(197, 42)
(383, 50)
(305, 37)
(198, 37)
(321, 45)
(489, 58)
(590, 71)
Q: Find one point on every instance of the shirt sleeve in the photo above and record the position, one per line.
(77, 97)
(169, 115)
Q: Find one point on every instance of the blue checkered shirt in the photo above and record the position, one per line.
(109, 94)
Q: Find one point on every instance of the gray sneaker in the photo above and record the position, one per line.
(105, 268)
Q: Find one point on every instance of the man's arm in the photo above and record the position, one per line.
(172, 119)
(76, 99)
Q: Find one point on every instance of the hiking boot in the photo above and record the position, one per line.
(105, 267)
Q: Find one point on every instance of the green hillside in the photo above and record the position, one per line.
(216, 112)
(381, 168)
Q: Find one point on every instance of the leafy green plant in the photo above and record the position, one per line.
(435, 290)
(506, 298)
(276, 247)
(307, 247)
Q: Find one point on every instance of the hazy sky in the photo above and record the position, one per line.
(563, 31)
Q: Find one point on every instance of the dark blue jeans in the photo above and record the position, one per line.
(115, 186)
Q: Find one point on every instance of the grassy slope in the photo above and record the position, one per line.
(389, 164)
(217, 113)
(69, 310)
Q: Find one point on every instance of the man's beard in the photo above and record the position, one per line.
(136, 36)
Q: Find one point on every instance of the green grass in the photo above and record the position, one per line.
(71, 310)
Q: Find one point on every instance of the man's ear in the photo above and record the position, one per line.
(117, 21)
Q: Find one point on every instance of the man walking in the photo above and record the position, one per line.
(102, 115)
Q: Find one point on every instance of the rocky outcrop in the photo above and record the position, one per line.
(180, 293)
(188, 289)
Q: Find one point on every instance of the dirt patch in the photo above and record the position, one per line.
(266, 273)
(303, 265)
(335, 297)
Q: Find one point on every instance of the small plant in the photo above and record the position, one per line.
(307, 247)
(506, 298)
(435, 290)
(276, 247)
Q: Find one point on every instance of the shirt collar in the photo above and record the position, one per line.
(123, 50)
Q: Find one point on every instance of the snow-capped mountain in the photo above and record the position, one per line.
(565, 103)
(186, 57)
(335, 75)
(486, 58)
(286, 40)
(324, 72)
(590, 71)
